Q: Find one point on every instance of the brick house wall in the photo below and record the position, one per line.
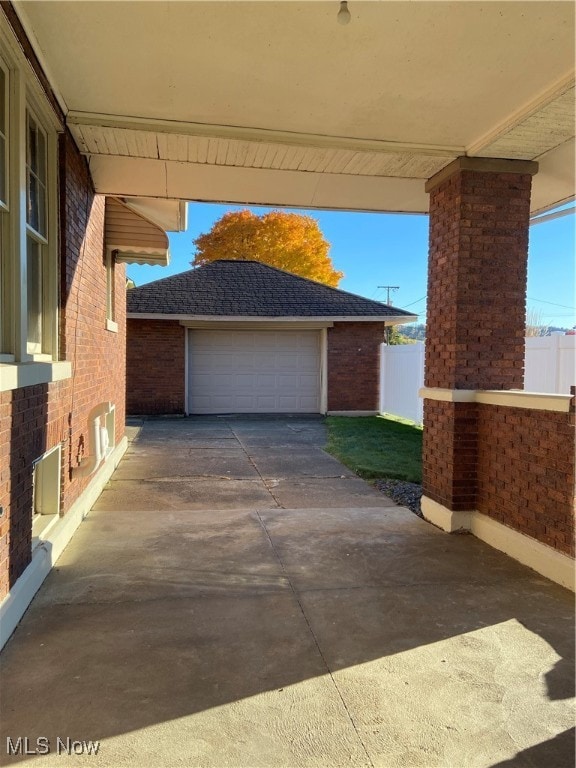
(35, 419)
(98, 355)
(354, 366)
(155, 376)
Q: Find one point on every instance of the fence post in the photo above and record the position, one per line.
(383, 348)
(421, 363)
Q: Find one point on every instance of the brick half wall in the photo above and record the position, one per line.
(354, 366)
(525, 473)
(155, 367)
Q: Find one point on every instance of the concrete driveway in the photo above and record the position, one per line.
(237, 598)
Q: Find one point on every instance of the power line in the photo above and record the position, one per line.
(541, 301)
(415, 302)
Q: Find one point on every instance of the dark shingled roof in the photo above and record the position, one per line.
(250, 289)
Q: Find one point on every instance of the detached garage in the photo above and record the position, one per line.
(243, 337)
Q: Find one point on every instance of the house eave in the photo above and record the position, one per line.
(186, 319)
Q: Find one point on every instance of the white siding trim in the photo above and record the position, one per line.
(291, 319)
(324, 370)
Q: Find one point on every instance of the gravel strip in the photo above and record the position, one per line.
(403, 493)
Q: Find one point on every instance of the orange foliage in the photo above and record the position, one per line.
(289, 241)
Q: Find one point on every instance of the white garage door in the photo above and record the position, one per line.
(253, 371)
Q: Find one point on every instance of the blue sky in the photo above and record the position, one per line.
(375, 249)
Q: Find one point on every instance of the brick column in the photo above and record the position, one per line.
(479, 212)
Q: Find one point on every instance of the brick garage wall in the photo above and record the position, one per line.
(354, 366)
(35, 419)
(526, 472)
(477, 281)
(155, 376)
(449, 453)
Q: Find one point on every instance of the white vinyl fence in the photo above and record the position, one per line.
(550, 366)
(401, 376)
(550, 363)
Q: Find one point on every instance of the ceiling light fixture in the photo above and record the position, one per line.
(343, 14)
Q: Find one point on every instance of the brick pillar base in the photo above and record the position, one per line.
(479, 214)
(450, 454)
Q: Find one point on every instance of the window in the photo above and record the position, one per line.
(46, 491)
(28, 225)
(37, 270)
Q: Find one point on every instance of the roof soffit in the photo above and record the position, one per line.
(350, 109)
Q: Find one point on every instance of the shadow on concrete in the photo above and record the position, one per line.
(264, 627)
(557, 752)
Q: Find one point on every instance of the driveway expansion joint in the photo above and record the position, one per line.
(316, 641)
(253, 463)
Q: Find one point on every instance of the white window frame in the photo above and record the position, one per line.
(21, 363)
(43, 348)
(46, 479)
(110, 261)
(6, 316)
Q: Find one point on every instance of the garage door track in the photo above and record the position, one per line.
(238, 598)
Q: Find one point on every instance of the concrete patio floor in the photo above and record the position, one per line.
(238, 598)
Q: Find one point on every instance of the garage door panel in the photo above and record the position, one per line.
(264, 404)
(288, 382)
(308, 382)
(254, 371)
(266, 381)
(244, 380)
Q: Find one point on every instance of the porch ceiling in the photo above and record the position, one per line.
(275, 102)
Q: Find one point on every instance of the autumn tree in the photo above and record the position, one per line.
(289, 241)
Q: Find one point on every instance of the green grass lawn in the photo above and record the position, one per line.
(377, 446)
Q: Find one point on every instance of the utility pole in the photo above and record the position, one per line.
(389, 288)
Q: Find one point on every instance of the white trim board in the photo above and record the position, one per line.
(19, 375)
(509, 398)
(550, 563)
(388, 319)
(243, 325)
